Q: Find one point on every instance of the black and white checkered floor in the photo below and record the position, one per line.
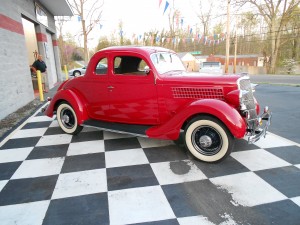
(97, 177)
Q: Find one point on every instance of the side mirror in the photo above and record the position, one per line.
(147, 69)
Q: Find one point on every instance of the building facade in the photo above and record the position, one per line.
(27, 28)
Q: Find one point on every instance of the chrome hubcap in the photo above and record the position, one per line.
(205, 141)
(66, 119)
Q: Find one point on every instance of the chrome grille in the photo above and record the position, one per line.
(198, 93)
(247, 98)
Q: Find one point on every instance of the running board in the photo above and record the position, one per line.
(133, 129)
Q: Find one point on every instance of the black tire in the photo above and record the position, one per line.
(67, 119)
(208, 139)
(76, 73)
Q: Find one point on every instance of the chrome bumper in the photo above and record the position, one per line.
(261, 132)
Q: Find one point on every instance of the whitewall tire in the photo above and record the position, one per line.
(67, 119)
(208, 139)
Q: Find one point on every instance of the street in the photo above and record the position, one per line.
(285, 106)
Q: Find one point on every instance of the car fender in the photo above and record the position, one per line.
(217, 108)
(73, 99)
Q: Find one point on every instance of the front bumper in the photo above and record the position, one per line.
(261, 131)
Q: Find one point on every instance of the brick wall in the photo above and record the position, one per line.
(15, 80)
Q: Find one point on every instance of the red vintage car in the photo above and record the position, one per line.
(146, 91)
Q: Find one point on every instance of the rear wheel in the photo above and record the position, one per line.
(67, 119)
(208, 139)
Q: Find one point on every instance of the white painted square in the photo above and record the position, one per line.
(86, 147)
(125, 158)
(112, 135)
(272, 141)
(248, 189)
(168, 173)
(40, 119)
(39, 168)
(151, 142)
(54, 124)
(138, 205)
(195, 220)
(80, 183)
(296, 200)
(58, 139)
(14, 154)
(2, 184)
(259, 159)
(31, 213)
(38, 132)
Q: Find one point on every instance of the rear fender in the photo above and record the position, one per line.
(73, 99)
(219, 109)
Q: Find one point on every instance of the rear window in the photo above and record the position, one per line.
(211, 64)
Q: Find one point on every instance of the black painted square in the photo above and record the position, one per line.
(121, 144)
(284, 179)
(165, 153)
(130, 177)
(8, 169)
(83, 162)
(51, 151)
(21, 143)
(34, 125)
(290, 154)
(88, 136)
(226, 167)
(27, 190)
(86, 209)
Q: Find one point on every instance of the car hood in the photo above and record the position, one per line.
(195, 78)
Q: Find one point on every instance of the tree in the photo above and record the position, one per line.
(59, 23)
(277, 14)
(205, 15)
(89, 13)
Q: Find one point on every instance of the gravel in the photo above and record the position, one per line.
(15, 119)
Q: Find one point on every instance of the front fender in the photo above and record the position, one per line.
(219, 109)
(73, 99)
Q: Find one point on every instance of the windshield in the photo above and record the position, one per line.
(165, 62)
(211, 64)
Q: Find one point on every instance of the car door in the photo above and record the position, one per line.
(133, 93)
(95, 88)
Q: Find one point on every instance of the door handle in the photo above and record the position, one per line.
(110, 87)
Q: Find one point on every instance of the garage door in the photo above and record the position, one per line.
(51, 67)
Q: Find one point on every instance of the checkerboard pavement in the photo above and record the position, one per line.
(98, 177)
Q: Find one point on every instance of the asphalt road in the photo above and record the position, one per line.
(276, 79)
(284, 102)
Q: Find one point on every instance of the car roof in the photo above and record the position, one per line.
(137, 49)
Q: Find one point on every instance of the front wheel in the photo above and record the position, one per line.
(76, 73)
(208, 139)
(67, 119)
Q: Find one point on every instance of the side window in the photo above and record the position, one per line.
(129, 65)
(101, 68)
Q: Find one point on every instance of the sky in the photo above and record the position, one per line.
(137, 16)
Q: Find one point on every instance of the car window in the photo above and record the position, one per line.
(101, 68)
(129, 65)
(165, 62)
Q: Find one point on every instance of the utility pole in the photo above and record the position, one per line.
(235, 50)
(227, 37)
